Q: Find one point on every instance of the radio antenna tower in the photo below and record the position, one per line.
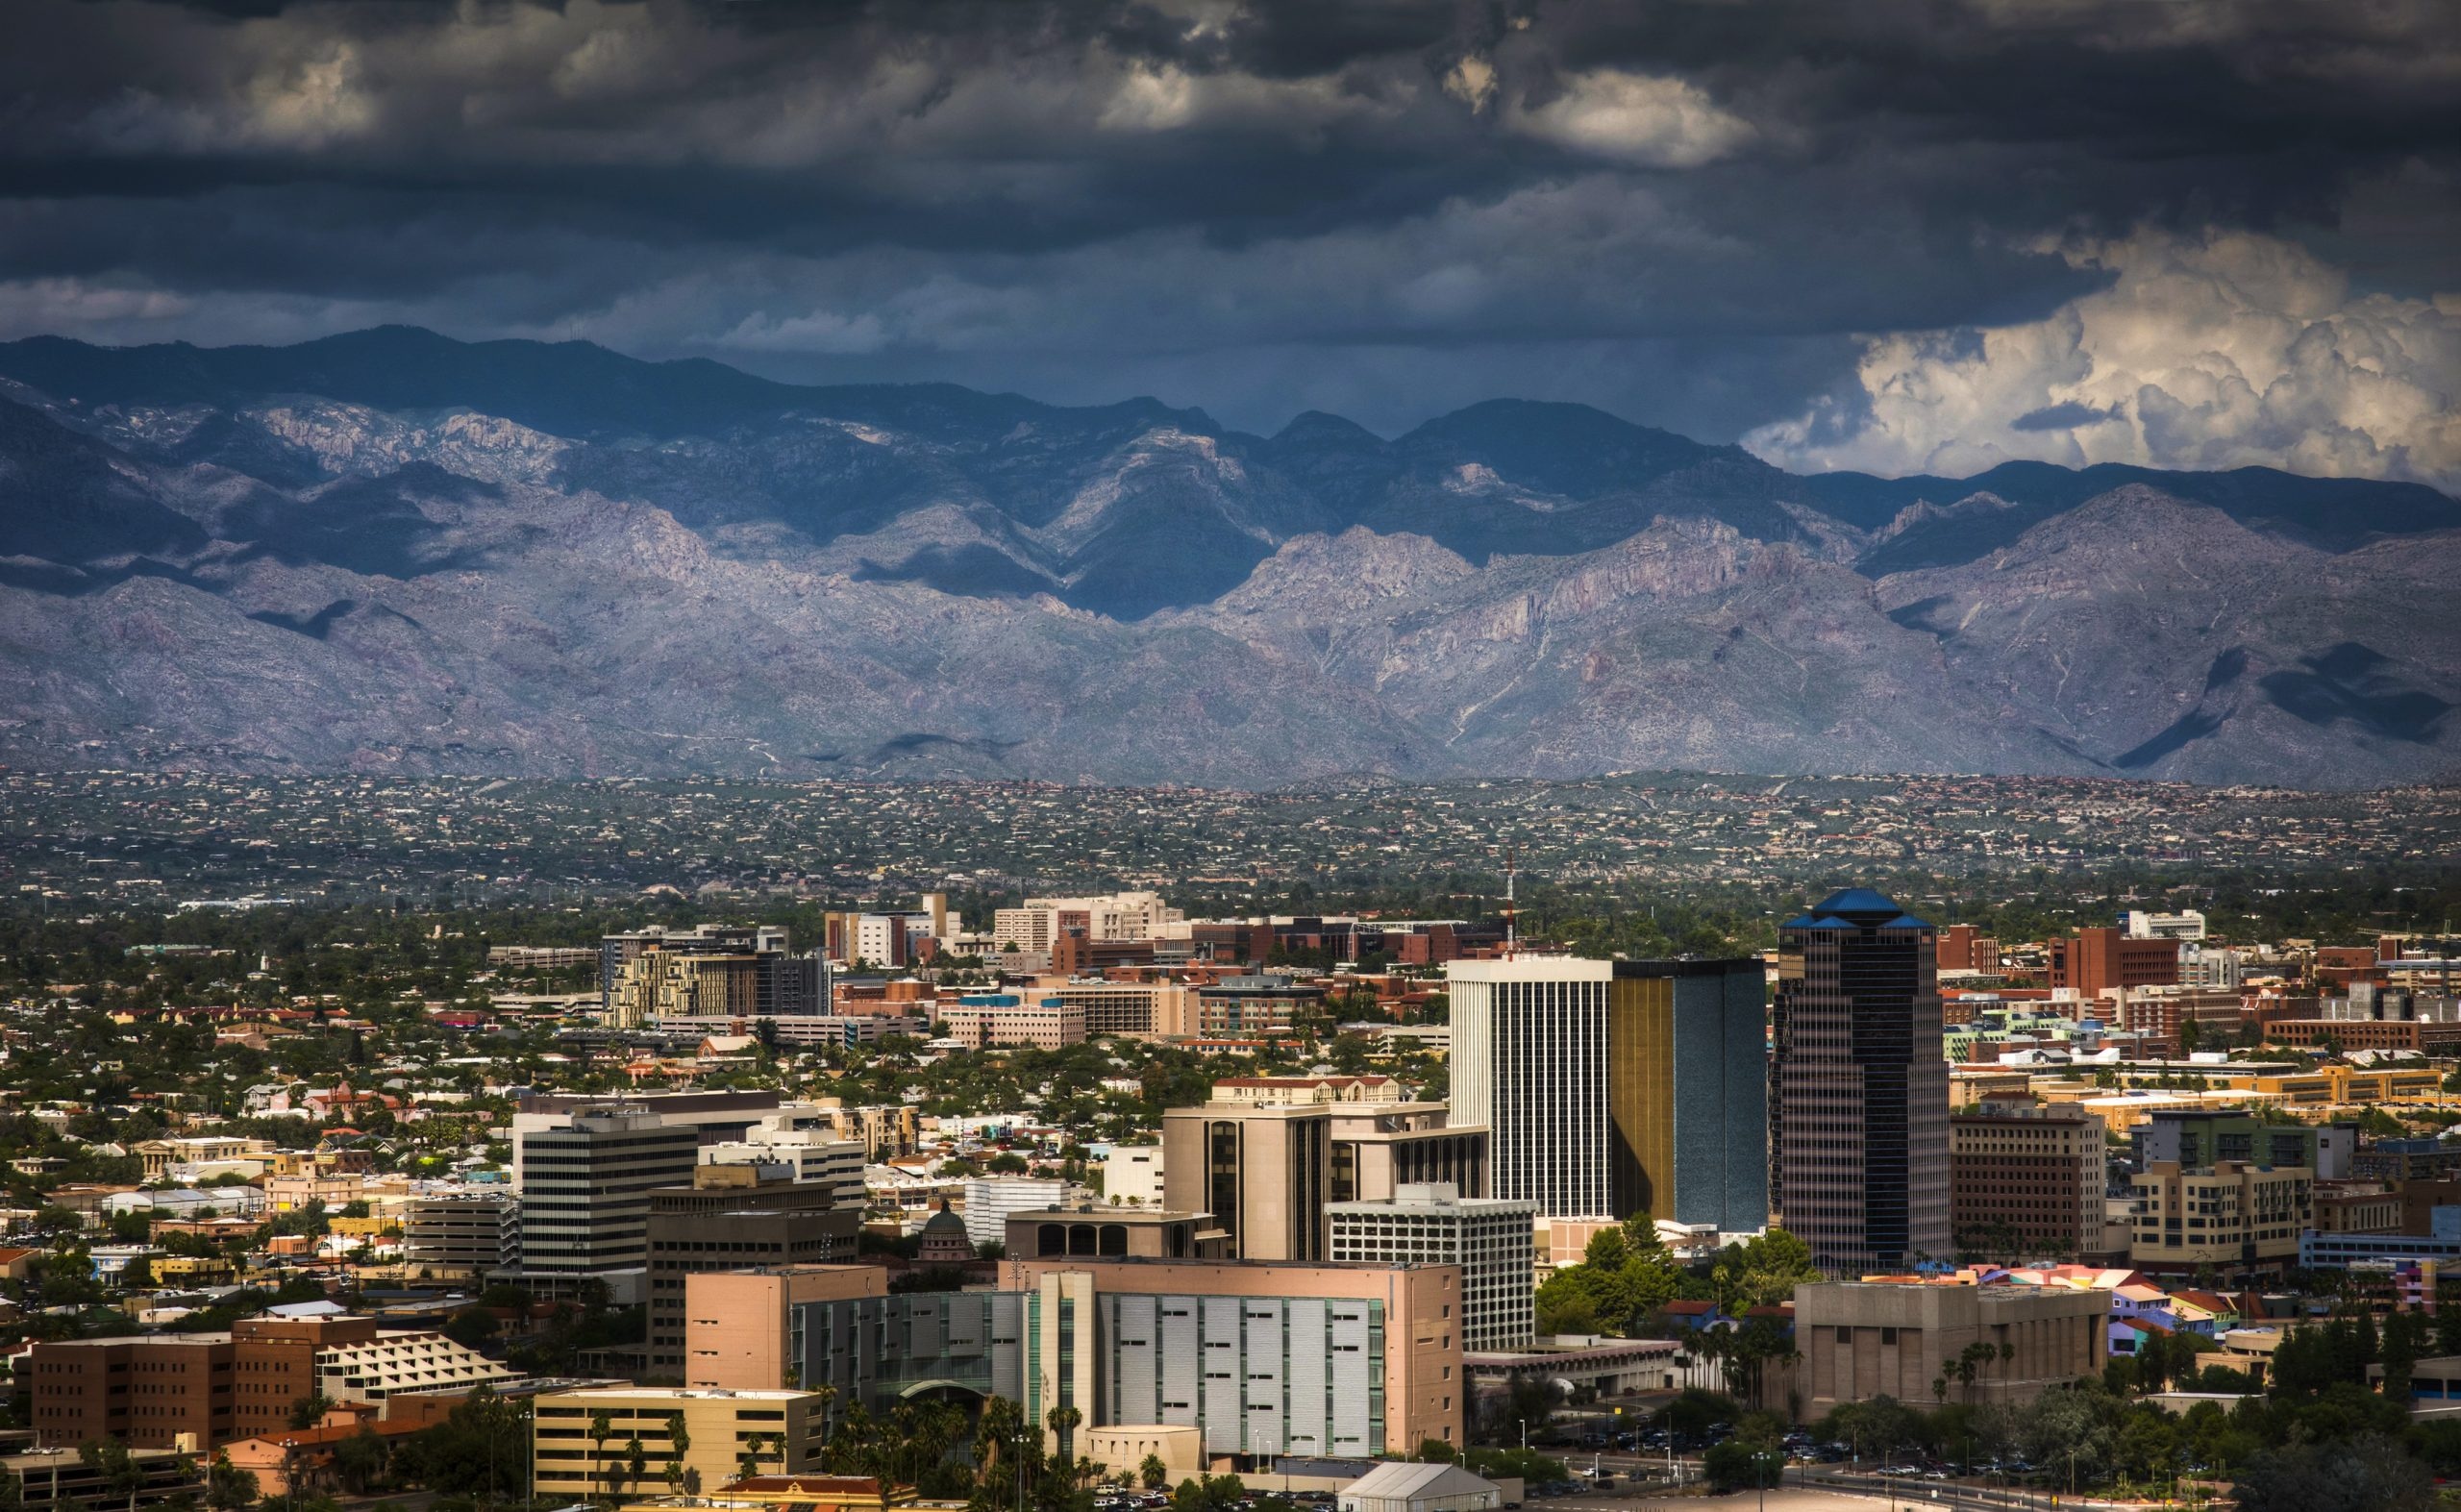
(1511, 918)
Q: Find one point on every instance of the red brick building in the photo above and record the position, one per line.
(1965, 947)
(2091, 960)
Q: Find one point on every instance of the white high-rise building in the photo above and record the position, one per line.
(583, 1181)
(1530, 1062)
(989, 1199)
(1491, 1238)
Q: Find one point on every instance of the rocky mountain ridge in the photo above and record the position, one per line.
(390, 551)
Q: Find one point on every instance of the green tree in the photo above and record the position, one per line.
(119, 1470)
(361, 1461)
(227, 1487)
(1153, 1473)
(309, 1410)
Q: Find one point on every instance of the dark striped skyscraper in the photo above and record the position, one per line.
(1859, 1090)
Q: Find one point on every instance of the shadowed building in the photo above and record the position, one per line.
(1859, 1106)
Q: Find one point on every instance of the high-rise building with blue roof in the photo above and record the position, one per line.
(1859, 1090)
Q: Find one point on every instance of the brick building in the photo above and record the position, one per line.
(2094, 960)
(2028, 1173)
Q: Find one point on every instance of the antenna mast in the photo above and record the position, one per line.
(1511, 918)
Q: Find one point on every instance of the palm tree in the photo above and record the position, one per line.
(1154, 1473)
(602, 1428)
(2006, 1352)
(678, 1443)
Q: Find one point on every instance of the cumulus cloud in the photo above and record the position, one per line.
(2228, 349)
(1662, 122)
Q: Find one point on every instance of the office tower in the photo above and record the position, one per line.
(733, 1218)
(1859, 1106)
(2026, 1181)
(1491, 1239)
(1261, 1170)
(585, 1181)
(1614, 1088)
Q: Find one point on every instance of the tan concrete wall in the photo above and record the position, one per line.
(1899, 1335)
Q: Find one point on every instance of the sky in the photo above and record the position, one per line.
(1888, 236)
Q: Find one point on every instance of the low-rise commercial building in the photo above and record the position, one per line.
(1863, 1339)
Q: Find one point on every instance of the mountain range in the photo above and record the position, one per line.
(390, 551)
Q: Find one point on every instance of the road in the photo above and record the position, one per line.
(1807, 1488)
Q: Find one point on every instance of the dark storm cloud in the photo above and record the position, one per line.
(1687, 212)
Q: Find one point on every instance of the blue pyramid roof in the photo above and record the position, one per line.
(1855, 907)
(1858, 900)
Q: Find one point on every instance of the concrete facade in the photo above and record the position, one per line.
(2232, 1216)
(1862, 1339)
(1491, 1239)
(782, 1429)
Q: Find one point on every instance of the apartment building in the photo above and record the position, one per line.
(2028, 1175)
(1492, 1240)
(2231, 1215)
